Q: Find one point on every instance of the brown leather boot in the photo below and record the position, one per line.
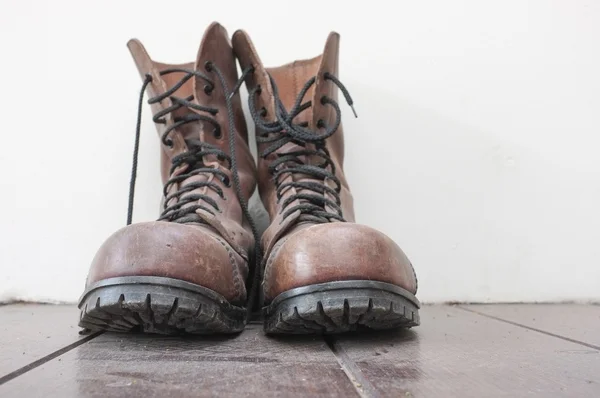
(323, 272)
(187, 271)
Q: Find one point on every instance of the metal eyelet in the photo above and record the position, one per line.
(226, 181)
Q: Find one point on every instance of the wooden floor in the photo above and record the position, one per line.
(458, 351)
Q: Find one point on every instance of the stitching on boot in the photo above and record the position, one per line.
(268, 266)
(240, 250)
(416, 280)
(234, 269)
(295, 77)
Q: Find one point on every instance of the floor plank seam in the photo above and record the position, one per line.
(12, 375)
(361, 384)
(583, 343)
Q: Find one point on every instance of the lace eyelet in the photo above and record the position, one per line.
(320, 123)
(169, 142)
(208, 66)
(258, 89)
(226, 182)
(323, 100)
(208, 89)
(263, 112)
(217, 134)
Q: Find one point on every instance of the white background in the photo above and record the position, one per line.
(476, 147)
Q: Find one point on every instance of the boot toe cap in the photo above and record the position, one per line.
(336, 252)
(171, 250)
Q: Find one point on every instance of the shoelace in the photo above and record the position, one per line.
(311, 192)
(197, 149)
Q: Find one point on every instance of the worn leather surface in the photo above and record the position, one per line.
(172, 250)
(215, 254)
(301, 254)
(336, 252)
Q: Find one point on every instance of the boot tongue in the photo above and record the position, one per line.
(290, 79)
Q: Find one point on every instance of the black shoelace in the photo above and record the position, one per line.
(311, 193)
(183, 210)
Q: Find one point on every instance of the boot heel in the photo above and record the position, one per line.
(338, 307)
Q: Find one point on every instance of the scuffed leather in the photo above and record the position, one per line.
(304, 254)
(336, 252)
(192, 254)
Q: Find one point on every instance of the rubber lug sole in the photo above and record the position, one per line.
(338, 307)
(157, 305)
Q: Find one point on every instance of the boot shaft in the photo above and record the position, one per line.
(285, 83)
(192, 117)
(215, 49)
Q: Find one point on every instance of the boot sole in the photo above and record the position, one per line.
(157, 305)
(338, 307)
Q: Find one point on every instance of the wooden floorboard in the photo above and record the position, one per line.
(456, 353)
(29, 332)
(573, 321)
(250, 364)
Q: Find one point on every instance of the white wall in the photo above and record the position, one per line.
(476, 148)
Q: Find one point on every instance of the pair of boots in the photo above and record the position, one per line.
(202, 266)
